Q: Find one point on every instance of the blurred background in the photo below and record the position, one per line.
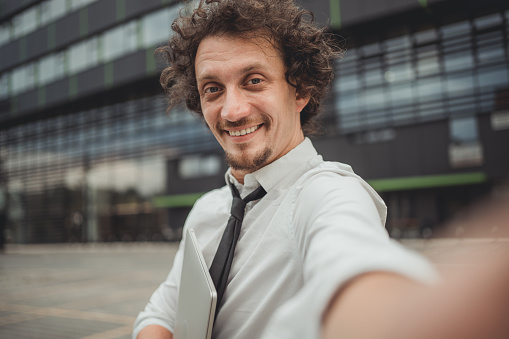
(419, 107)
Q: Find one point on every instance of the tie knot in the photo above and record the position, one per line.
(238, 208)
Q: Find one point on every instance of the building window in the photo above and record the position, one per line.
(156, 26)
(465, 149)
(77, 4)
(47, 70)
(23, 78)
(436, 73)
(197, 166)
(52, 10)
(25, 22)
(119, 41)
(463, 130)
(492, 77)
(78, 60)
(488, 21)
(5, 32)
(83, 55)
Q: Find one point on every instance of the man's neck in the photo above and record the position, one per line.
(239, 175)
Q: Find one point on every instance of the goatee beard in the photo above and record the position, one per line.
(248, 163)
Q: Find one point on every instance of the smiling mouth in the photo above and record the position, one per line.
(244, 131)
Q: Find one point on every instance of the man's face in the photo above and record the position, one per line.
(246, 101)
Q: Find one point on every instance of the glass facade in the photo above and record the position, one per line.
(38, 16)
(98, 168)
(119, 41)
(438, 73)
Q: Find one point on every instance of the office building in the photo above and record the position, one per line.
(419, 107)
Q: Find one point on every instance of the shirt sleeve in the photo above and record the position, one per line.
(339, 235)
(162, 308)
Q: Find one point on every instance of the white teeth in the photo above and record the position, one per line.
(243, 132)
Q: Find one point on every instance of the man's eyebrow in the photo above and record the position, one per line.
(205, 77)
(242, 71)
(251, 67)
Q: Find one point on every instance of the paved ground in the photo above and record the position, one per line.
(96, 290)
(92, 291)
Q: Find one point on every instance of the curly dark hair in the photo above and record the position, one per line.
(308, 51)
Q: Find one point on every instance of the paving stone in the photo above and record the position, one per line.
(54, 327)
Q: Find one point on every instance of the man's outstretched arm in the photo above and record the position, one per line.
(154, 332)
(367, 307)
(470, 302)
(468, 305)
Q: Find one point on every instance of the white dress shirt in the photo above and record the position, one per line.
(319, 226)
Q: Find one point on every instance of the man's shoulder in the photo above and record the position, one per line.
(334, 179)
(329, 172)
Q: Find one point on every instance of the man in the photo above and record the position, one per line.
(314, 245)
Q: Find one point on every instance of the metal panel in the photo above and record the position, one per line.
(57, 92)
(101, 15)
(135, 7)
(356, 11)
(9, 55)
(412, 153)
(37, 43)
(68, 29)
(91, 81)
(27, 101)
(350, 12)
(124, 71)
(495, 148)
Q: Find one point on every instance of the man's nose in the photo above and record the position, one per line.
(235, 106)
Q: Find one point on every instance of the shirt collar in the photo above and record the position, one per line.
(268, 176)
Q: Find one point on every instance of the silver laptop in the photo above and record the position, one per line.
(197, 295)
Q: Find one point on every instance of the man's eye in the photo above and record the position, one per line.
(254, 81)
(212, 89)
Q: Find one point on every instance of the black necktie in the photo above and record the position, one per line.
(223, 259)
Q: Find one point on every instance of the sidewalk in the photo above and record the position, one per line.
(78, 291)
(95, 291)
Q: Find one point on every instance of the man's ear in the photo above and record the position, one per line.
(300, 101)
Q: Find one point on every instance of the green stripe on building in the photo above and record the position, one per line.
(108, 74)
(139, 34)
(150, 62)
(14, 105)
(52, 36)
(335, 14)
(73, 86)
(83, 21)
(120, 10)
(41, 96)
(23, 48)
(178, 200)
(399, 184)
(423, 3)
(381, 185)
